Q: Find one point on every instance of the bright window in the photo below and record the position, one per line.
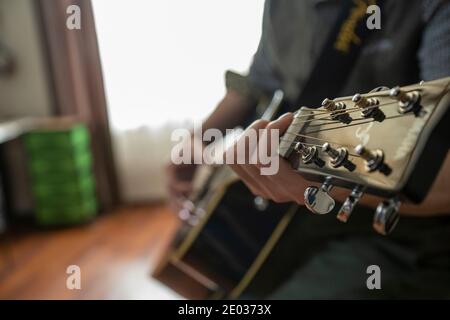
(164, 60)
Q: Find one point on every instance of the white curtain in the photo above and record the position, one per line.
(163, 64)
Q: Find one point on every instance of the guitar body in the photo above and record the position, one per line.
(229, 244)
(227, 238)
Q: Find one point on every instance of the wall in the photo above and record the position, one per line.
(25, 92)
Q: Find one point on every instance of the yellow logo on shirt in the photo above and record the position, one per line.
(347, 35)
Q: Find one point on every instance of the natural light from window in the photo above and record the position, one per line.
(164, 61)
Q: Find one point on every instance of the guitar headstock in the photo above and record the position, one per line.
(371, 143)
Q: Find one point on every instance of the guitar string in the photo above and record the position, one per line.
(311, 137)
(335, 128)
(307, 143)
(319, 139)
(320, 146)
(356, 124)
(348, 111)
(334, 143)
(335, 122)
(357, 108)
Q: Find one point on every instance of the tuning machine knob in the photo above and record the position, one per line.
(338, 157)
(337, 110)
(350, 204)
(318, 199)
(260, 203)
(309, 154)
(189, 214)
(386, 216)
(369, 107)
(407, 101)
(374, 159)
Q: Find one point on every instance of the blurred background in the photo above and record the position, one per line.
(85, 123)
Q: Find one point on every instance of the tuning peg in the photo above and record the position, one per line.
(331, 105)
(363, 102)
(386, 216)
(260, 203)
(407, 101)
(374, 160)
(337, 110)
(309, 154)
(328, 104)
(338, 157)
(369, 107)
(318, 200)
(189, 214)
(350, 204)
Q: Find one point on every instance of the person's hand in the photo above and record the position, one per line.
(285, 185)
(179, 181)
(288, 186)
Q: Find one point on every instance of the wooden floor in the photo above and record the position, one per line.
(115, 254)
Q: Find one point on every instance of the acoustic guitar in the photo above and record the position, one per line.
(388, 142)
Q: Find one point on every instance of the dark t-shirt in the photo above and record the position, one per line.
(294, 32)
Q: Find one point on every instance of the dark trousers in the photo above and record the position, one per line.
(414, 261)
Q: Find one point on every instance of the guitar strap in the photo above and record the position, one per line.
(339, 54)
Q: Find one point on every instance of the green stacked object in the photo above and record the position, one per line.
(60, 166)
